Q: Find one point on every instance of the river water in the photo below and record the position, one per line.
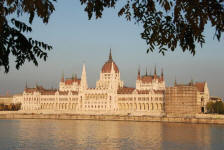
(35, 134)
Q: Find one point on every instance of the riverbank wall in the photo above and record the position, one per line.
(200, 119)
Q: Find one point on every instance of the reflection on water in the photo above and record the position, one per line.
(106, 135)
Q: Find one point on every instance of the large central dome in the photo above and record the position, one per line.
(107, 66)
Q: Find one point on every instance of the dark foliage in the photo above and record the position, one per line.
(10, 107)
(13, 38)
(215, 107)
(168, 23)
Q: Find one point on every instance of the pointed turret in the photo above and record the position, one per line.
(84, 71)
(139, 73)
(162, 74)
(155, 71)
(73, 76)
(110, 56)
(155, 74)
(26, 85)
(192, 81)
(83, 78)
(175, 82)
(146, 73)
(62, 77)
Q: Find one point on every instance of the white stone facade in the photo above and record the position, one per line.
(109, 97)
(203, 95)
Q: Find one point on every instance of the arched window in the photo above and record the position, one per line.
(202, 99)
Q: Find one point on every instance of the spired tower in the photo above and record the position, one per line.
(83, 88)
(150, 82)
(109, 75)
(84, 84)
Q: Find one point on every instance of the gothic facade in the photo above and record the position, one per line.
(186, 99)
(110, 96)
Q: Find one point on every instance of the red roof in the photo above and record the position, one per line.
(125, 90)
(146, 79)
(74, 93)
(143, 91)
(48, 92)
(149, 78)
(107, 67)
(41, 90)
(63, 92)
(200, 86)
(30, 90)
(159, 91)
(70, 81)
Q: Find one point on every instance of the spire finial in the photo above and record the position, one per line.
(73, 76)
(175, 82)
(26, 85)
(83, 78)
(139, 74)
(192, 81)
(146, 73)
(62, 77)
(139, 70)
(110, 55)
(162, 72)
(155, 70)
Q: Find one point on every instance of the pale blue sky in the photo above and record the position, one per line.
(77, 40)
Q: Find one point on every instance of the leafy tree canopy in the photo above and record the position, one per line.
(166, 24)
(12, 31)
(215, 107)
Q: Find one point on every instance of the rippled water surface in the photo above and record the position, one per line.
(105, 135)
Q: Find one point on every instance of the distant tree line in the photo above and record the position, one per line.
(215, 107)
(10, 107)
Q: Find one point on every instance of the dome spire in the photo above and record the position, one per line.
(108, 64)
(110, 56)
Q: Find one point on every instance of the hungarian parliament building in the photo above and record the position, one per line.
(110, 96)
